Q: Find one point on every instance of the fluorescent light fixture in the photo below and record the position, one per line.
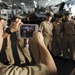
(22, 4)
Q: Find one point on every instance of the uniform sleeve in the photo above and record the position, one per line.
(73, 72)
(39, 69)
(41, 27)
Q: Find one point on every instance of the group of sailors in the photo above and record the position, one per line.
(59, 35)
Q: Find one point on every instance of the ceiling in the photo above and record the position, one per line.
(37, 2)
(30, 4)
(41, 3)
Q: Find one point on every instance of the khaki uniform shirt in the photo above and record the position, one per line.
(46, 29)
(57, 28)
(69, 28)
(38, 69)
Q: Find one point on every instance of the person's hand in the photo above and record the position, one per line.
(15, 26)
(38, 37)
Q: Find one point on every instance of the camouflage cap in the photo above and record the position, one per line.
(50, 13)
(3, 17)
(18, 16)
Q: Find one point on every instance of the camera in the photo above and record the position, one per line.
(26, 30)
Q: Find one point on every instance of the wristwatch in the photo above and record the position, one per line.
(8, 30)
